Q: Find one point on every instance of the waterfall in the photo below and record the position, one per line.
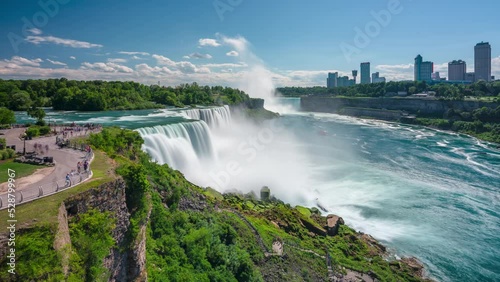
(179, 145)
(219, 117)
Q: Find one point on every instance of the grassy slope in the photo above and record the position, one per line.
(20, 169)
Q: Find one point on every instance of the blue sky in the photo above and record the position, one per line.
(221, 41)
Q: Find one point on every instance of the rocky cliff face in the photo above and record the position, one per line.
(252, 104)
(124, 263)
(411, 105)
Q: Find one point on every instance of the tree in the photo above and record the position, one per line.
(7, 116)
(20, 101)
(37, 113)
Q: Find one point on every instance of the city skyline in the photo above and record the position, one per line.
(182, 43)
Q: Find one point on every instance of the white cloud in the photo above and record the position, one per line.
(137, 58)
(225, 65)
(20, 61)
(72, 57)
(107, 67)
(134, 53)
(116, 60)
(61, 41)
(396, 72)
(495, 67)
(198, 56)
(35, 31)
(239, 43)
(232, 54)
(183, 66)
(208, 42)
(56, 63)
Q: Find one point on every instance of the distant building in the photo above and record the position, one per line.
(354, 75)
(457, 70)
(334, 80)
(365, 73)
(376, 78)
(470, 76)
(331, 81)
(435, 76)
(343, 81)
(482, 61)
(423, 70)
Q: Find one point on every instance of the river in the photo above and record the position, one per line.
(422, 192)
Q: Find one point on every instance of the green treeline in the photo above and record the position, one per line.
(445, 91)
(483, 123)
(63, 94)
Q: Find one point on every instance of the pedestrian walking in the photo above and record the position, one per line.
(68, 180)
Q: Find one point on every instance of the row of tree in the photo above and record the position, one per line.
(444, 90)
(63, 94)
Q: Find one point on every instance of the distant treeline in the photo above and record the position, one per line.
(63, 94)
(443, 90)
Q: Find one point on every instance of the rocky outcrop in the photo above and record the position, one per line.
(252, 104)
(108, 197)
(415, 265)
(312, 227)
(125, 263)
(137, 258)
(195, 202)
(333, 223)
(62, 241)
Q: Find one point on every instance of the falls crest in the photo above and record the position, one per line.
(178, 145)
(219, 117)
(186, 144)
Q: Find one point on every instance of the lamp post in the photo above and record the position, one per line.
(24, 143)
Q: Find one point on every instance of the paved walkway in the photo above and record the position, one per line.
(65, 161)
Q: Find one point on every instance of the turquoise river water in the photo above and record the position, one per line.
(422, 192)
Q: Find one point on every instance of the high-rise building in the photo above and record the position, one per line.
(331, 81)
(365, 73)
(470, 76)
(354, 75)
(376, 78)
(482, 61)
(457, 70)
(423, 70)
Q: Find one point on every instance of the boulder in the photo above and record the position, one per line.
(333, 223)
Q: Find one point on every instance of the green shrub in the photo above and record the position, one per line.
(5, 155)
(32, 131)
(10, 153)
(44, 130)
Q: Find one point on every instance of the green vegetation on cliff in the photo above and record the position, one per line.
(193, 234)
(91, 241)
(483, 123)
(63, 94)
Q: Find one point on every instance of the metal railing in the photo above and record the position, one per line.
(48, 189)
